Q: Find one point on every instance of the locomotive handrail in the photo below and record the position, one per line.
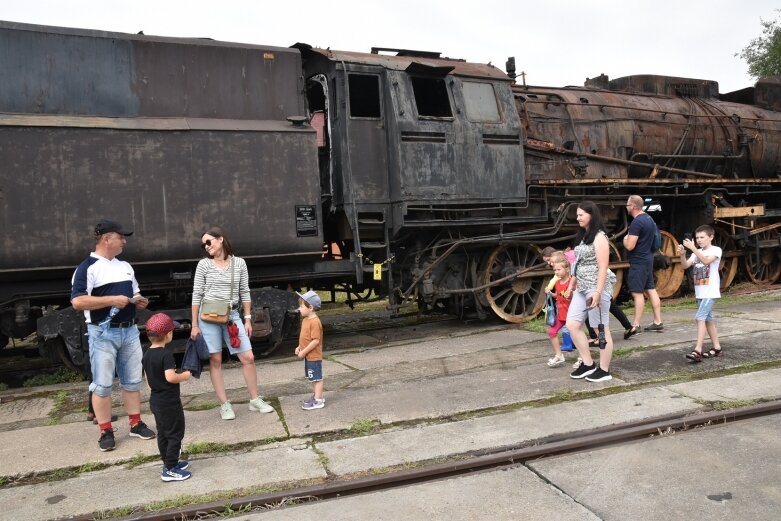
(550, 147)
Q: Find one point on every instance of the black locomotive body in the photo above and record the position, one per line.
(409, 175)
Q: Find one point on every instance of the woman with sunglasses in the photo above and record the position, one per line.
(223, 276)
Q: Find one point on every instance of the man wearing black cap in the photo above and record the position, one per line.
(103, 287)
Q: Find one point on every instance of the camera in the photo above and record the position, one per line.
(687, 236)
(601, 336)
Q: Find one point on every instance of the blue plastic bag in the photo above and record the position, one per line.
(550, 310)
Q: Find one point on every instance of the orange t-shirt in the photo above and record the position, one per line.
(311, 328)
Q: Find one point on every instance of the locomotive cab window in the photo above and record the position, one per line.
(480, 102)
(431, 97)
(364, 96)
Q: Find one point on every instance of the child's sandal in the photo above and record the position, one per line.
(712, 353)
(695, 356)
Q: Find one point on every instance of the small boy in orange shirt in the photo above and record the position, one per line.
(310, 347)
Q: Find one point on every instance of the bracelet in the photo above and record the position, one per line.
(247, 317)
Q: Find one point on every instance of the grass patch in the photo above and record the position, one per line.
(140, 459)
(3, 386)
(321, 457)
(207, 448)
(536, 325)
(365, 426)
(61, 376)
(623, 352)
(60, 400)
(725, 405)
(205, 406)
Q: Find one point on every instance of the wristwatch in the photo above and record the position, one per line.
(247, 317)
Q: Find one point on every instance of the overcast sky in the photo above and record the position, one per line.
(556, 42)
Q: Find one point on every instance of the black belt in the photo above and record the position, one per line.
(123, 324)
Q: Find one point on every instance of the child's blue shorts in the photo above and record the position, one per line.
(313, 370)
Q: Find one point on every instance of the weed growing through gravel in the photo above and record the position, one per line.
(364, 426)
(61, 376)
(206, 448)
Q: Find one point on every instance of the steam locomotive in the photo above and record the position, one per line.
(398, 173)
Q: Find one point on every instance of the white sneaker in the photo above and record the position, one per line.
(226, 411)
(259, 405)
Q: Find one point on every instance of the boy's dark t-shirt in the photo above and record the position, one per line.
(155, 362)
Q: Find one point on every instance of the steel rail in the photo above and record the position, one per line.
(554, 445)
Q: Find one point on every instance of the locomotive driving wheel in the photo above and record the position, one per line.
(763, 265)
(516, 300)
(669, 279)
(728, 266)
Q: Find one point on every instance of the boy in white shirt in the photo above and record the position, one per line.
(706, 261)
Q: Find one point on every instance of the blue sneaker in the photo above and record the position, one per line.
(182, 465)
(175, 474)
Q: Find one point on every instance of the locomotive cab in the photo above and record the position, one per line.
(411, 143)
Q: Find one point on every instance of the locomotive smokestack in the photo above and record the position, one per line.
(510, 67)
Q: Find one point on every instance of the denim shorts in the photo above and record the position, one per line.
(577, 309)
(216, 334)
(313, 370)
(705, 309)
(114, 350)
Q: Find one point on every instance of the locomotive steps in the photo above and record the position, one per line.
(411, 402)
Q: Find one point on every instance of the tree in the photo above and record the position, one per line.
(763, 54)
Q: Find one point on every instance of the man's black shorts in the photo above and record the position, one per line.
(641, 277)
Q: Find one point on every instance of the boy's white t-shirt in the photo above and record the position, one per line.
(706, 277)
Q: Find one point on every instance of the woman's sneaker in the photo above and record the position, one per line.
(259, 405)
(226, 411)
(583, 370)
(175, 474)
(599, 375)
(654, 327)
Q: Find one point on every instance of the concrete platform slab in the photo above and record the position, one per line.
(749, 386)
(490, 432)
(716, 473)
(61, 446)
(437, 348)
(513, 493)
(432, 398)
(120, 487)
(21, 410)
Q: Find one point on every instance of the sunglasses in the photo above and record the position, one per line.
(207, 243)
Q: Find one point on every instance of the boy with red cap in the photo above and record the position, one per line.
(165, 401)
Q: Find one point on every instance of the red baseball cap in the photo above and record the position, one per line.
(160, 324)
